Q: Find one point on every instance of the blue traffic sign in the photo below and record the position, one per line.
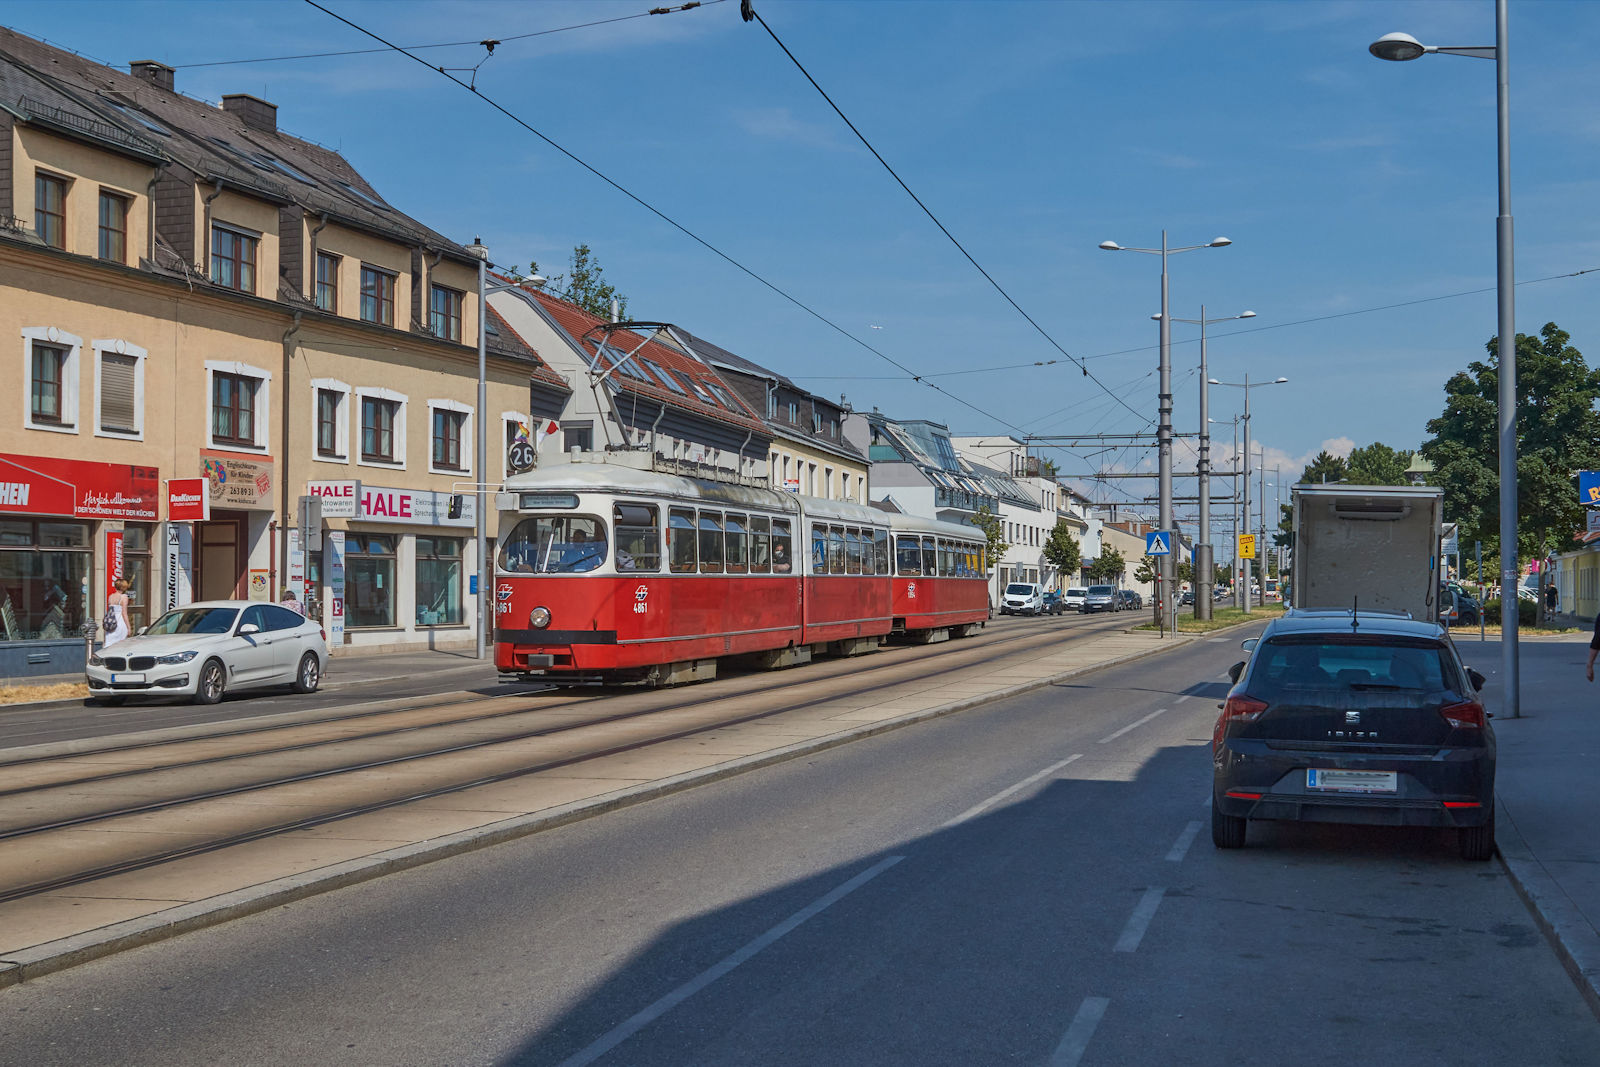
(1158, 543)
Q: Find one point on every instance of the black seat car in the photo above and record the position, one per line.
(1347, 718)
(1130, 599)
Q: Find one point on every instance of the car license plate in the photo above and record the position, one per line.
(1351, 781)
(127, 678)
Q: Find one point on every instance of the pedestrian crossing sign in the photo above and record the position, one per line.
(1247, 546)
(1158, 543)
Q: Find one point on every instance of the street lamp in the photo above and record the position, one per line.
(1233, 505)
(1202, 552)
(1242, 595)
(478, 249)
(1399, 47)
(1164, 428)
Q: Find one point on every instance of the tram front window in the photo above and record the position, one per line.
(554, 544)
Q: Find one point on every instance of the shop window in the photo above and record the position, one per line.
(50, 209)
(119, 389)
(233, 258)
(377, 295)
(137, 540)
(327, 286)
(369, 580)
(439, 573)
(113, 244)
(44, 568)
(444, 312)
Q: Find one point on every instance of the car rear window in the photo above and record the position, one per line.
(1300, 664)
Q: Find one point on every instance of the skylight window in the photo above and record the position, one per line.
(727, 401)
(699, 390)
(274, 163)
(363, 197)
(665, 378)
(137, 117)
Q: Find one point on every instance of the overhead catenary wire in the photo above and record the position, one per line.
(675, 224)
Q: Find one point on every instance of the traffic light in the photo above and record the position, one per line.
(456, 504)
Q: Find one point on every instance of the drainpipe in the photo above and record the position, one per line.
(311, 275)
(206, 223)
(150, 210)
(289, 518)
(661, 412)
(743, 445)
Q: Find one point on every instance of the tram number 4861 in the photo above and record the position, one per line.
(641, 602)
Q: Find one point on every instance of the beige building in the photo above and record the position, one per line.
(194, 297)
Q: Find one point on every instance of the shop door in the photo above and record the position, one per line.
(221, 570)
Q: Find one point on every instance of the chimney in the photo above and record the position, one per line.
(157, 74)
(252, 111)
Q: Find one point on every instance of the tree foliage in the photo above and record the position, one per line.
(1377, 464)
(1062, 550)
(1146, 570)
(1326, 467)
(994, 530)
(1108, 567)
(1558, 433)
(585, 285)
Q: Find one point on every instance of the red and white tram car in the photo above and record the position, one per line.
(608, 573)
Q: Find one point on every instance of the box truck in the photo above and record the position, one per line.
(1369, 547)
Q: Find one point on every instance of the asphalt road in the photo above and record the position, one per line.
(1031, 882)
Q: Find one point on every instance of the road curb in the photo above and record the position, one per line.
(1571, 935)
(53, 956)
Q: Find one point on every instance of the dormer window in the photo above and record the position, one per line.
(377, 296)
(113, 227)
(444, 311)
(50, 210)
(233, 259)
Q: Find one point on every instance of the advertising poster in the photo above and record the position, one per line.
(333, 547)
(260, 588)
(297, 568)
(41, 485)
(177, 566)
(113, 560)
(236, 482)
(188, 500)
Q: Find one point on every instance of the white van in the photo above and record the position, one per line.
(1074, 598)
(1022, 598)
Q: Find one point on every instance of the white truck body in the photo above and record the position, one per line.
(1372, 547)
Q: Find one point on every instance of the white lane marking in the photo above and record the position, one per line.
(1076, 1040)
(979, 809)
(1183, 698)
(1131, 726)
(644, 1018)
(1139, 921)
(1185, 839)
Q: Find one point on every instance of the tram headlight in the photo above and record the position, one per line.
(539, 618)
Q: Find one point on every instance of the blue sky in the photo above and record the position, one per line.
(1033, 130)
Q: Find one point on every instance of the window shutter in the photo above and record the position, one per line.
(117, 374)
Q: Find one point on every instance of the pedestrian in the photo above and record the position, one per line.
(292, 602)
(116, 623)
(1551, 598)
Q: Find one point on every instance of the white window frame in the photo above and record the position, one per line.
(52, 335)
(827, 482)
(399, 464)
(507, 418)
(469, 426)
(118, 347)
(341, 422)
(263, 411)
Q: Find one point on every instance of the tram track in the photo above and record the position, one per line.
(950, 662)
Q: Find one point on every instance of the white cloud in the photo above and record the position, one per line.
(780, 124)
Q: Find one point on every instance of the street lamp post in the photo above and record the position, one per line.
(1243, 597)
(1400, 47)
(1233, 505)
(1164, 397)
(1203, 571)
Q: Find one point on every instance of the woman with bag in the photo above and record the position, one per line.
(116, 623)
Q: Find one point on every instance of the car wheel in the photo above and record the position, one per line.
(1227, 831)
(1477, 842)
(309, 675)
(213, 680)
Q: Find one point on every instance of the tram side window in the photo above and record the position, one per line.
(880, 551)
(852, 551)
(946, 567)
(782, 547)
(835, 550)
(908, 557)
(554, 544)
(736, 543)
(710, 542)
(819, 549)
(930, 561)
(638, 529)
(680, 541)
(760, 545)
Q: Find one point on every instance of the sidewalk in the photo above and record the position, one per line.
(1548, 791)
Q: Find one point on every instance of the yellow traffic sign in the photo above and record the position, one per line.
(1247, 546)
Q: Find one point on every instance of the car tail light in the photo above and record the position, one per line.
(1242, 709)
(323, 630)
(1468, 714)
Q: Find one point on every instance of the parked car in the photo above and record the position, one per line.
(1131, 600)
(1100, 598)
(1022, 598)
(1186, 598)
(1073, 598)
(1053, 603)
(1371, 720)
(1457, 608)
(202, 650)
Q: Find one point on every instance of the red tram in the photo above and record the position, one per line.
(608, 573)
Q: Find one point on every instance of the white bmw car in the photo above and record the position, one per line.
(203, 650)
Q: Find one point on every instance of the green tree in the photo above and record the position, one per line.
(1146, 570)
(1377, 464)
(1558, 432)
(1224, 574)
(1325, 468)
(1062, 550)
(1186, 571)
(994, 530)
(585, 286)
(1108, 567)
(1048, 469)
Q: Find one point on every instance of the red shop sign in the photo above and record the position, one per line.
(38, 485)
(188, 499)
